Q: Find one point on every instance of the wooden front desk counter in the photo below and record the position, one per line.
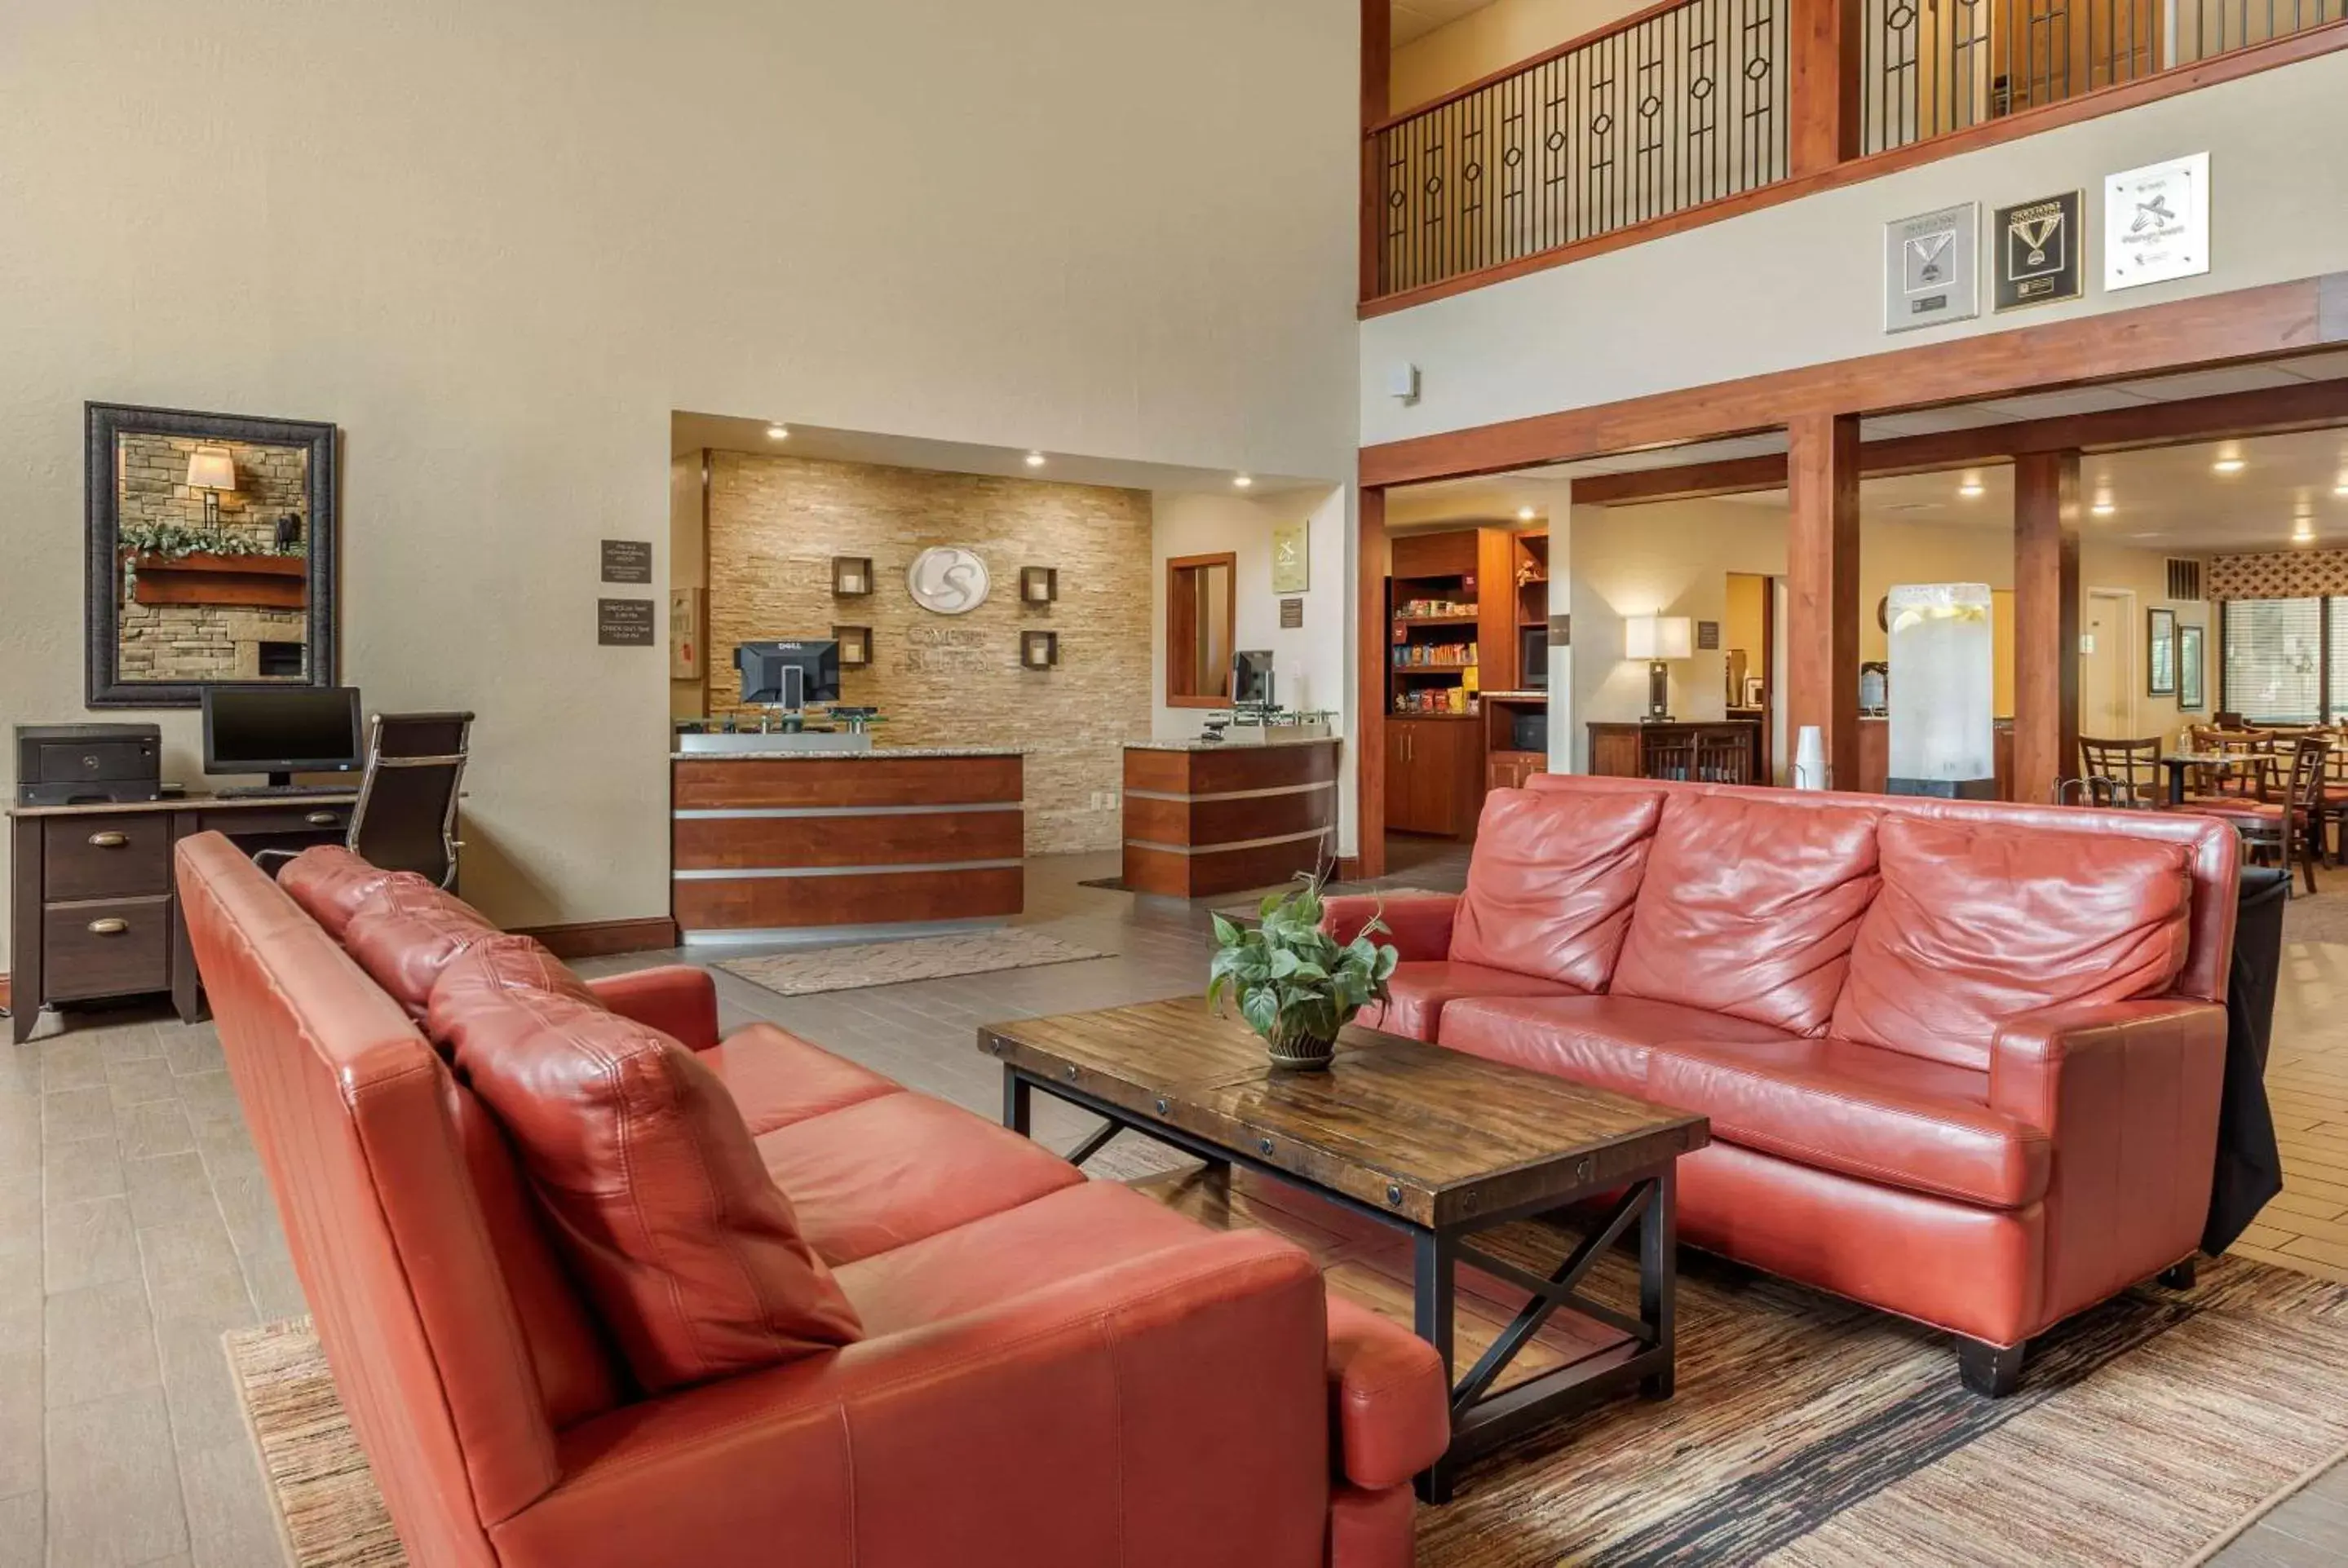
(1205, 818)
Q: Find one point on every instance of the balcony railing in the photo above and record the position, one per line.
(1687, 103)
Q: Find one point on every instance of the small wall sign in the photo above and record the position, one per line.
(627, 561)
(1708, 636)
(1561, 631)
(2037, 250)
(625, 622)
(2157, 223)
(1291, 614)
(1932, 270)
(1292, 559)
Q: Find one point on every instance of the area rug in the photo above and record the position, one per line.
(896, 963)
(1806, 1433)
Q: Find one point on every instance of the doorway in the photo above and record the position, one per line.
(2107, 664)
(1749, 660)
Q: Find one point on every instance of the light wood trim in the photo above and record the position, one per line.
(1370, 685)
(2045, 623)
(1182, 631)
(2306, 45)
(1822, 587)
(2263, 323)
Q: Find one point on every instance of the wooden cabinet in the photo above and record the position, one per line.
(1629, 750)
(1434, 775)
(1509, 770)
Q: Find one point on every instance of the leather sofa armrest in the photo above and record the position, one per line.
(1418, 924)
(678, 999)
(1174, 1404)
(1390, 1413)
(2062, 1066)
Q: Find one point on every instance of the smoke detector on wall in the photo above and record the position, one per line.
(1402, 383)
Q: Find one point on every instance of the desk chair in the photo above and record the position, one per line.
(406, 819)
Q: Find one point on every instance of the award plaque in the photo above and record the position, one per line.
(1930, 268)
(2037, 248)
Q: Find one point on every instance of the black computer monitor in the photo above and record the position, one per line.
(789, 675)
(1251, 678)
(281, 730)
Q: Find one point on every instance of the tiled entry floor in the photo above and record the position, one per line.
(136, 1227)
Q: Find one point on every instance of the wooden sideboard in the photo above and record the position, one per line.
(95, 910)
(1619, 749)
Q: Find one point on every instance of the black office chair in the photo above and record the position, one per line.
(406, 819)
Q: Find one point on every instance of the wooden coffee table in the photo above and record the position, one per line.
(1436, 1144)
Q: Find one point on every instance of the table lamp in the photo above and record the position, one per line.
(1658, 638)
(212, 470)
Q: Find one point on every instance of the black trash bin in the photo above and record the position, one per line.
(2249, 1166)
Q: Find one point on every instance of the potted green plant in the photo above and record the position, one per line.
(1295, 984)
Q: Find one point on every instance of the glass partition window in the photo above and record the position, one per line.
(2272, 669)
(1199, 630)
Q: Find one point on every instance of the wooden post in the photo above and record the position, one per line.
(1377, 63)
(1822, 587)
(1370, 689)
(2045, 623)
(1822, 94)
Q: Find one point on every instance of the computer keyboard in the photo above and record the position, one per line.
(280, 792)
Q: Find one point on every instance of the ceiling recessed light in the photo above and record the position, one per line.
(2103, 509)
(1526, 514)
(1973, 489)
(779, 432)
(2341, 488)
(2229, 466)
(1034, 459)
(1242, 481)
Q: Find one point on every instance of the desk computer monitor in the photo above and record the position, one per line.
(788, 674)
(1251, 678)
(281, 730)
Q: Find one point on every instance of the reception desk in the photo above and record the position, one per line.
(1203, 818)
(779, 845)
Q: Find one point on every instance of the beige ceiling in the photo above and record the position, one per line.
(1414, 19)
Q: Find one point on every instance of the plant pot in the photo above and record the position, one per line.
(1298, 1054)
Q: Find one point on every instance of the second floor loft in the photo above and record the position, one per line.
(1491, 159)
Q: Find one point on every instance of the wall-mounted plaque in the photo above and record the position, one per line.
(1291, 614)
(1561, 631)
(1292, 562)
(627, 561)
(1708, 636)
(1931, 268)
(625, 622)
(2157, 223)
(947, 580)
(2036, 244)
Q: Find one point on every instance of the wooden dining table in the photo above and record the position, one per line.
(2179, 763)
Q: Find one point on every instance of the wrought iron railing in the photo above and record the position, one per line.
(1671, 109)
(1933, 66)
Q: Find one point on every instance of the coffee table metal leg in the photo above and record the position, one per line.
(1659, 1252)
(1432, 1283)
(1018, 1101)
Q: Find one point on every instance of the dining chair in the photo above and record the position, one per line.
(2123, 773)
(2289, 828)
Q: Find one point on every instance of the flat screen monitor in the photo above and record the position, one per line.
(789, 675)
(1252, 677)
(281, 731)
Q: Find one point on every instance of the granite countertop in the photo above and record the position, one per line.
(1195, 743)
(876, 755)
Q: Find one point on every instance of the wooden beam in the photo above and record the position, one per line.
(2263, 323)
(2045, 623)
(1822, 587)
(2229, 417)
(1370, 688)
(1377, 86)
(1823, 89)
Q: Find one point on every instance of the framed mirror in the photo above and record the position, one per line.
(1199, 630)
(209, 542)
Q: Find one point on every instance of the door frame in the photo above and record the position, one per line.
(2126, 652)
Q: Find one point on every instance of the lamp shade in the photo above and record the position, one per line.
(209, 468)
(1658, 637)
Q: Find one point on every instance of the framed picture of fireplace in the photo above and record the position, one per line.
(209, 554)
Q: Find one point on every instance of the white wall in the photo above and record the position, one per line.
(498, 240)
(1802, 283)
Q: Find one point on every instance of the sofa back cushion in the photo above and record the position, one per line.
(656, 1194)
(1749, 907)
(331, 885)
(407, 933)
(1977, 924)
(1550, 885)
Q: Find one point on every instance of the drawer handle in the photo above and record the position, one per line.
(320, 819)
(109, 927)
(109, 840)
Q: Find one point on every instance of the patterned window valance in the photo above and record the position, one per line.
(2279, 574)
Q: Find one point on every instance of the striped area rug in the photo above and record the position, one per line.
(1806, 1433)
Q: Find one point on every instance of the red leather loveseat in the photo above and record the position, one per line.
(1962, 1061)
(600, 1287)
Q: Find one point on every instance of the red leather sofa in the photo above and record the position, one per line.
(1962, 1061)
(1003, 1363)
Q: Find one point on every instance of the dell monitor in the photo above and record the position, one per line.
(281, 730)
(1251, 678)
(788, 675)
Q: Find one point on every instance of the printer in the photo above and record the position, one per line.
(74, 764)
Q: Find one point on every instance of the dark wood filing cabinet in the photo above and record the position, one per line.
(94, 916)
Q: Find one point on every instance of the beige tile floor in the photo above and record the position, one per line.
(136, 1227)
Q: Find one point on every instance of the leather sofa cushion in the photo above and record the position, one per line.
(1551, 884)
(1418, 992)
(776, 1079)
(1840, 1106)
(1602, 1041)
(1749, 909)
(897, 1169)
(659, 1202)
(407, 933)
(331, 885)
(1975, 925)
